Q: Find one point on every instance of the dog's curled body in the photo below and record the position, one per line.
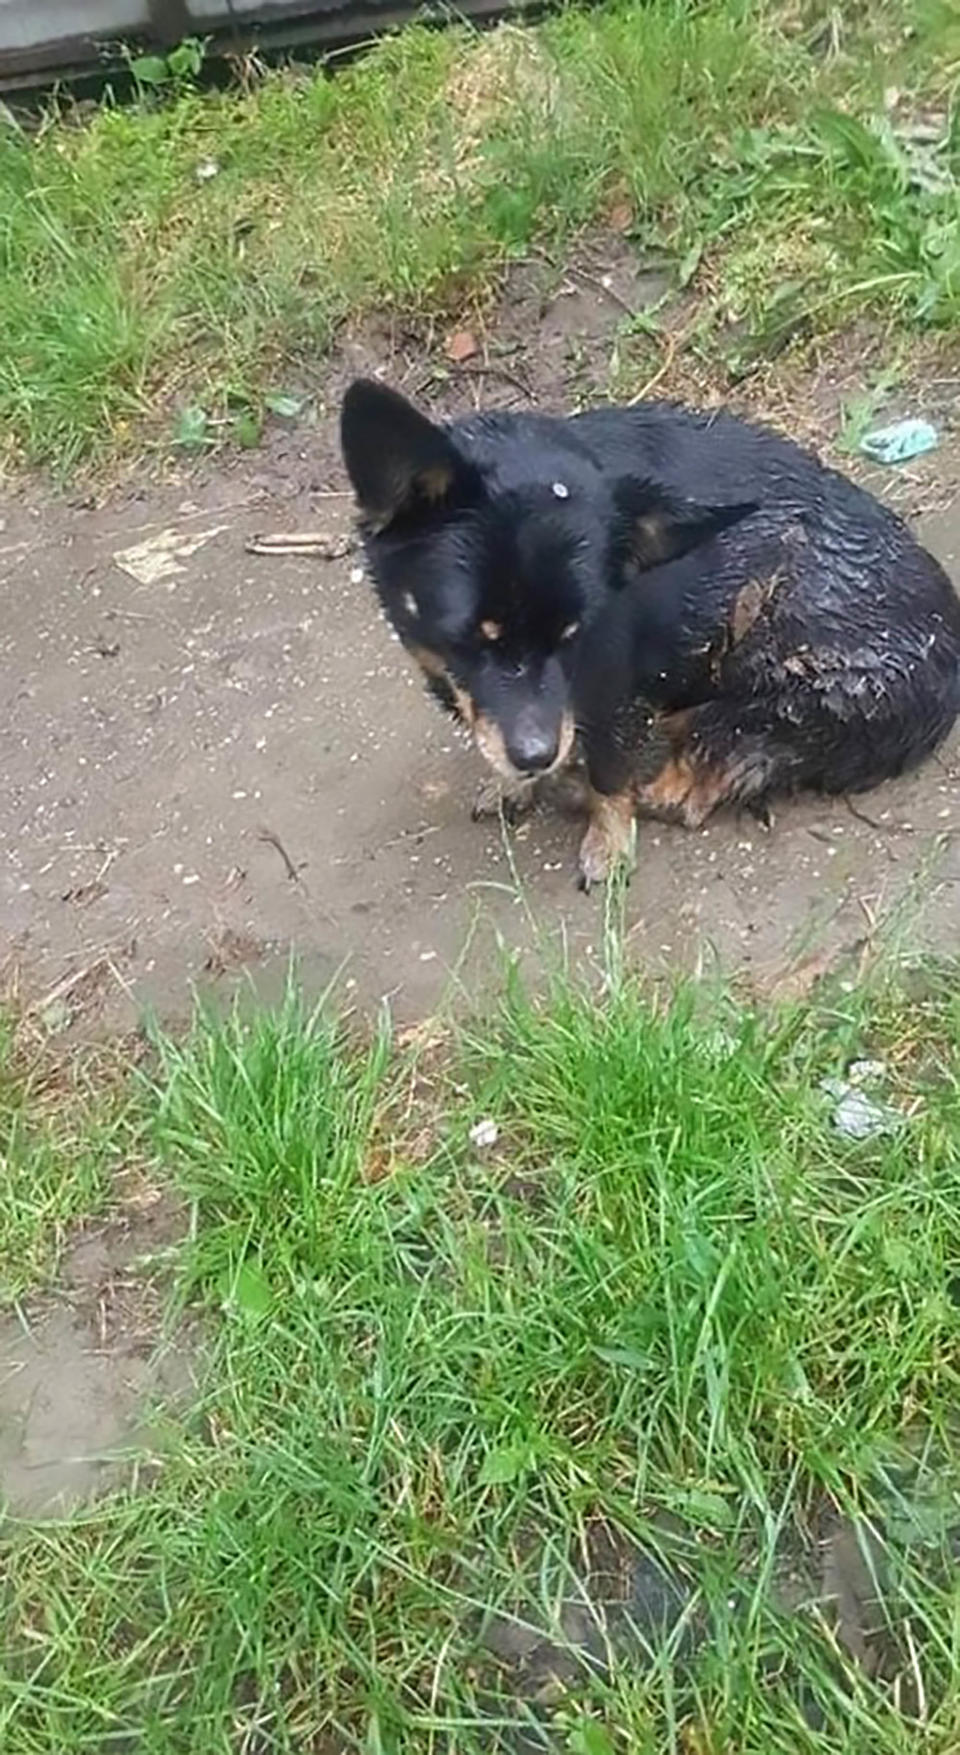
(718, 616)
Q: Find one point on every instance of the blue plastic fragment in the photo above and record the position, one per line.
(901, 441)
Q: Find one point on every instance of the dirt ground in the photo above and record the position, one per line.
(208, 768)
(84, 1373)
(212, 759)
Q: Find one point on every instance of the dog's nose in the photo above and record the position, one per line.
(532, 747)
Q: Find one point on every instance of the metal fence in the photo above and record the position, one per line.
(45, 40)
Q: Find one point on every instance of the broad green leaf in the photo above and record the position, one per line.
(150, 69)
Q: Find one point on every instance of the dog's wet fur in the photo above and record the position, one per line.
(691, 604)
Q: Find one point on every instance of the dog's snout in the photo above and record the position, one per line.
(532, 746)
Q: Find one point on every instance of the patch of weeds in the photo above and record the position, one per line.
(180, 66)
(883, 229)
(859, 413)
(540, 1442)
(170, 250)
(192, 429)
(62, 1134)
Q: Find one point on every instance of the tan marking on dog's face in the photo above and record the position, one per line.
(433, 666)
(491, 630)
(568, 734)
(486, 732)
(465, 706)
(430, 662)
(489, 741)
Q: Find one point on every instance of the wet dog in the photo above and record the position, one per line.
(695, 605)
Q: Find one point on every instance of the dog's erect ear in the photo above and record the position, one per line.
(398, 461)
(661, 526)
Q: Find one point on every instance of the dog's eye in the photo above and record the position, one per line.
(491, 630)
(569, 631)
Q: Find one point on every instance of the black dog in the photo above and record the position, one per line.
(701, 606)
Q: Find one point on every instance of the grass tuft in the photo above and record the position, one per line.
(192, 250)
(61, 1142)
(564, 1443)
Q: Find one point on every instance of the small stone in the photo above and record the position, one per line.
(461, 346)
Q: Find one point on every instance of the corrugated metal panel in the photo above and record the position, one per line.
(44, 40)
(250, 10)
(49, 21)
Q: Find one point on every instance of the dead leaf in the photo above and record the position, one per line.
(378, 1163)
(461, 346)
(750, 601)
(747, 606)
(621, 217)
(157, 560)
(423, 1037)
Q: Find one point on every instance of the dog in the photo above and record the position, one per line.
(693, 606)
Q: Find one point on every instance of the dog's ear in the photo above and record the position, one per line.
(660, 525)
(398, 461)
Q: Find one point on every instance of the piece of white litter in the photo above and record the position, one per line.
(484, 1134)
(157, 560)
(857, 1116)
(866, 1072)
(206, 169)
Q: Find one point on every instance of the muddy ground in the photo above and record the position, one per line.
(209, 768)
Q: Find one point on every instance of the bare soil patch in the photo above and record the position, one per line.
(212, 758)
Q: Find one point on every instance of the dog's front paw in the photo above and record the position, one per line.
(510, 799)
(610, 842)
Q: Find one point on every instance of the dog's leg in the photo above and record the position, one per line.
(684, 791)
(720, 755)
(610, 839)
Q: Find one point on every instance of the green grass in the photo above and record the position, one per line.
(670, 1308)
(60, 1144)
(742, 136)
